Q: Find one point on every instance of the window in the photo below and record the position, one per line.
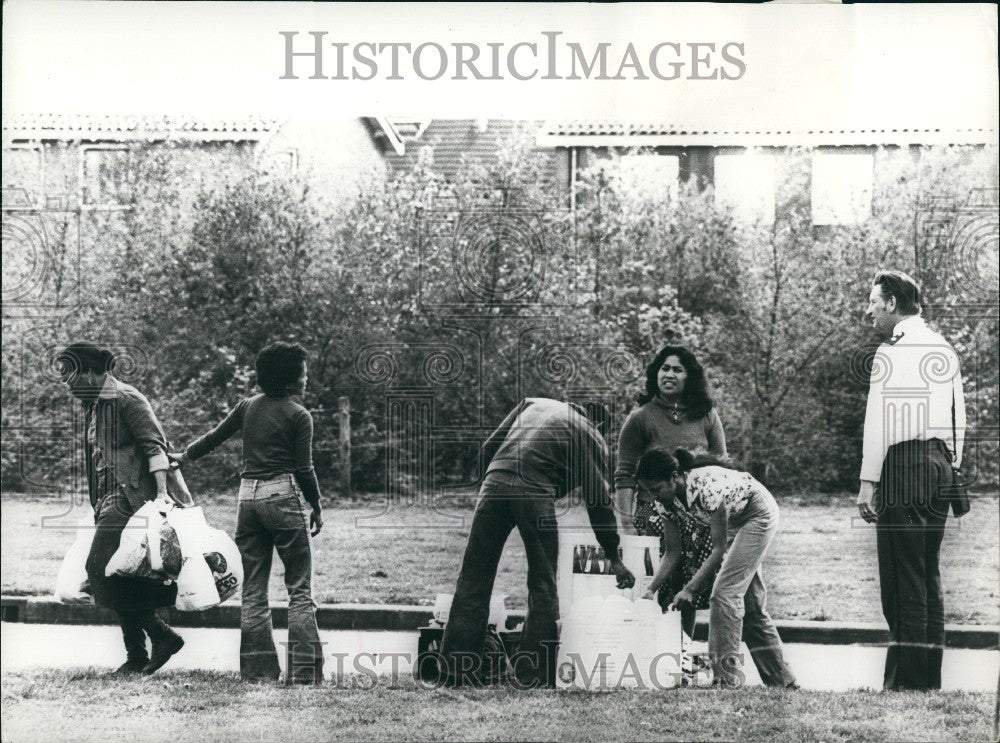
(105, 178)
(649, 177)
(408, 128)
(287, 162)
(842, 188)
(746, 184)
(23, 176)
(279, 162)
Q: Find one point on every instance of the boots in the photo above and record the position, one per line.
(166, 642)
(135, 645)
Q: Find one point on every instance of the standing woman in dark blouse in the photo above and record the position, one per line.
(277, 481)
(675, 410)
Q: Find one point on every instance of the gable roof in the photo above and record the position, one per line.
(382, 130)
(453, 142)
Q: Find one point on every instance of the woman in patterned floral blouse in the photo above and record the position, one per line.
(743, 519)
(685, 545)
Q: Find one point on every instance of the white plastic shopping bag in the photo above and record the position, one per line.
(132, 556)
(196, 588)
(71, 580)
(223, 558)
(162, 544)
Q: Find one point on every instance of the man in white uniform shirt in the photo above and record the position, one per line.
(914, 430)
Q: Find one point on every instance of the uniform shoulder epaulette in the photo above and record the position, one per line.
(895, 339)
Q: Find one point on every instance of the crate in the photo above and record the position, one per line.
(498, 644)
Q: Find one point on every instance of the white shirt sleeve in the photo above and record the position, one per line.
(874, 448)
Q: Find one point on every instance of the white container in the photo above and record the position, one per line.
(610, 642)
(498, 611)
(442, 607)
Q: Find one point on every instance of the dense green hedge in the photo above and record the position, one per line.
(204, 269)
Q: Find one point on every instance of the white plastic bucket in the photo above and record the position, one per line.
(442, 607)
(498, 611)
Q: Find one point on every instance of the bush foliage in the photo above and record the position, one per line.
(419, 286)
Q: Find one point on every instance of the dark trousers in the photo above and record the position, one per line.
(910, 528)
(134, 599)
(504, 503)
(136, 626)
(121, 593)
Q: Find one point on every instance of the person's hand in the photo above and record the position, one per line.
(622, 573)
(866, 501)
(179, 458)
(650, 595)
(682, 599)
(628, 527)
(315, 521)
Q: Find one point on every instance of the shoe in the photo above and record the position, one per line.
(162, 652)
(129, 668)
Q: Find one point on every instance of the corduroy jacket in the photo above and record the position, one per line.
(128, 444)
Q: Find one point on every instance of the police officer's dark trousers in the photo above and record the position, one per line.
(910, 527)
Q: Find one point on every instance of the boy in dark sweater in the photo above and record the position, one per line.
(543, 450)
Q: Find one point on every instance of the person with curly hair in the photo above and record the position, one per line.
(674, 410)
(277, 482)
(126, 464)
(743, 519)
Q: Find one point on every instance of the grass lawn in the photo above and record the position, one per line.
(200, 706)
(822, 565)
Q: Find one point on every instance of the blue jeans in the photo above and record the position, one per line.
(273, 516)
(738, 606)
(505, 502)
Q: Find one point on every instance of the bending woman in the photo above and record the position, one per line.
(126, 459)
(276, 483)
(674, 410)
(742, 514)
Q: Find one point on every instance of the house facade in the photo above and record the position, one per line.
(745, 167)
(69, 162)
(58, 161)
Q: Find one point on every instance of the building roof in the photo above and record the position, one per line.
(453, 142)
(120, 127)
(599, 133)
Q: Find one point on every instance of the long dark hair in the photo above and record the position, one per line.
(695, 395)
(659, 464)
